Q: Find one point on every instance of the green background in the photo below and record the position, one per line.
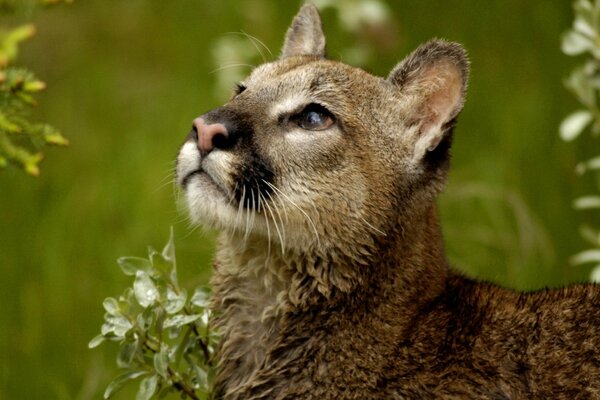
(126, 78)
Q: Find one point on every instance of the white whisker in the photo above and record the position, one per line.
(310, 221)
(372, 227)
(233, 65)
(281, 241)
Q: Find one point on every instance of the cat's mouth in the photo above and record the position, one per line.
(206, 181)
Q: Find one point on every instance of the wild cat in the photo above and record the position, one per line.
(330, 279)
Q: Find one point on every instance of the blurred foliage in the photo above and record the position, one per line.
(125, 80)
(20, 139)
(164, 334)
(584, 82)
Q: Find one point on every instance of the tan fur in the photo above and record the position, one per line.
(330, 276)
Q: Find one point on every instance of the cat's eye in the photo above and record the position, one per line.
(314, 117)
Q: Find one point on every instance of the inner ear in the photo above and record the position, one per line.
(442, 100)
(432, 80)
(305, 35)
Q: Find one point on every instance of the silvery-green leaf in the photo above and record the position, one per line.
(120, 381)
(579, 82)
(147, 388)
(585, 257)
(590, 234)
(587, 202)
(595, 274)
(201, 298)
(126, 355)
(201, 378)
(161, 361)
(130, 265)
(589, 165)
(111, 306)
(205, 317)
(584, 9)
(583, 26)
(117, 324)
(145, 290)
(572, 126)
(168, 252)
(175, 302)
(180, 320)
(95, 342)
(574, 43)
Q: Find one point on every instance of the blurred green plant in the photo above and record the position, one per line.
(21, 140)
(584, 82)
(164, 335)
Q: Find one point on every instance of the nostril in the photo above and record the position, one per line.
(220, 140)
(193, 135)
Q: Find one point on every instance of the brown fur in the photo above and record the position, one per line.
(330, 276)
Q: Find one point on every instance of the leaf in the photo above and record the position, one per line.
(130, 265)
(117, 324)
(111, 305)
(161, 361)
(574, 43)
(126, 354)
(34, 86)
(175, 302)
(584, 26)
(180, 320)
(52, 136)
(587, 202)
(145, 290)
(147, 388)
(120, 381)
(574, 124)
(95, 342)
(590, 234)
(31, 164)
(592, 164)
(168, 252)
(201, 298)
(586, 256)
(595, 274)
(579, 82)
(201, 377)
(7, 125)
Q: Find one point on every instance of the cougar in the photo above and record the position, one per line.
(330, 278)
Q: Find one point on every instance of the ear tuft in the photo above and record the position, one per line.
(305, 36)
(433, 80)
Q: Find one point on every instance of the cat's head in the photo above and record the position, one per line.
(311, 152)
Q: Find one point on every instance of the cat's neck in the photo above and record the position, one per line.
(407, 265)
(263, 295)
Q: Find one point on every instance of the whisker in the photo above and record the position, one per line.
(276, 228)
(257, 40)
(283, 226)
(240, 206)
(299, 209)
(372, 227)
(268, 233)
(233, 65)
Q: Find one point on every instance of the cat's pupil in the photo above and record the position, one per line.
(314, 118)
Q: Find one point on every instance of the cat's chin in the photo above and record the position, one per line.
(207, 203)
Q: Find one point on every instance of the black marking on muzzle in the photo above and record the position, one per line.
(254, 182)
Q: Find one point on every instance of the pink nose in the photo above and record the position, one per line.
(210, 134)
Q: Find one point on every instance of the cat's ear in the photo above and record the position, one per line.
(305, 36)
(433, 81)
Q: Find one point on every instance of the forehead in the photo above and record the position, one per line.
(309, 74)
